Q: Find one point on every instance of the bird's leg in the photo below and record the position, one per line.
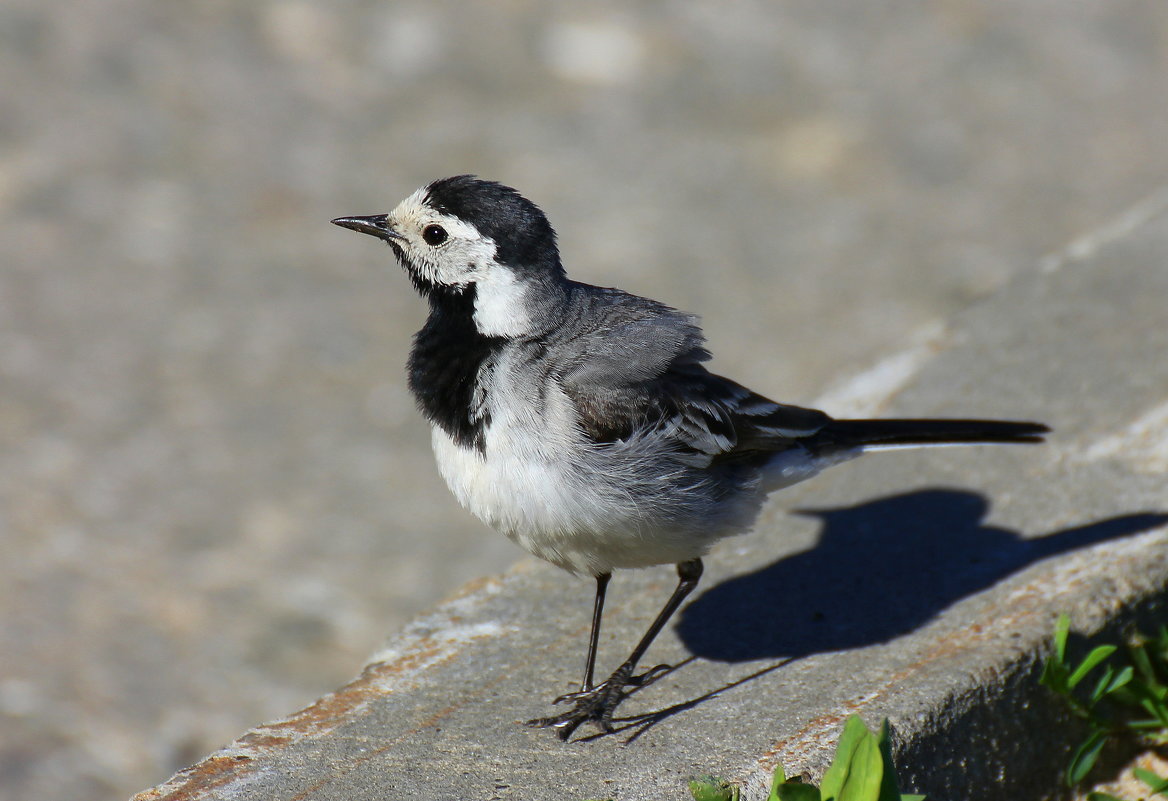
(594, 636)
(599, 703)
(593, 641)
(688, 575)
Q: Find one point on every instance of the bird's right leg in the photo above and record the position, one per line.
(594, 637)
(593, 642)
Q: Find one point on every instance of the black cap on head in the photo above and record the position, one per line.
(522, 234)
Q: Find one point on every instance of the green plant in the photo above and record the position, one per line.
(862, 770)
(1128, 698)
(1157, 785)
(708, 788)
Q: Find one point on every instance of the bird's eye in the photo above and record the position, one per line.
(434, 235)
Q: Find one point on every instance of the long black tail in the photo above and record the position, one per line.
(841, 435)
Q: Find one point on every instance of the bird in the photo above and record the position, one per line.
(582, 422)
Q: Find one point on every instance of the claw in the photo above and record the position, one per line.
(576, 696)
(597, 708)
(598, 704)
(649, 676)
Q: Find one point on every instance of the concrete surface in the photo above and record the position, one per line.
(215, 497)
(918, 586)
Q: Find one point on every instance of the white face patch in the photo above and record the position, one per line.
(464, 258)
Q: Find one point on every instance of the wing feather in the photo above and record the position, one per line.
(638, 370)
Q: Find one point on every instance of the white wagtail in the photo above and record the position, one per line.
(580, 421)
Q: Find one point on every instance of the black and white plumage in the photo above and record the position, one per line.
(581, 421)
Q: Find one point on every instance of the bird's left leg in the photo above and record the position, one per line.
(599, 703)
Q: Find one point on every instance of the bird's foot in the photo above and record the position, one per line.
(599, 703)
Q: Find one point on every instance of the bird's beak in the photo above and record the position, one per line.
(377, 225)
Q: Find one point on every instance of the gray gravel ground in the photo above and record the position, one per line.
(215, 496)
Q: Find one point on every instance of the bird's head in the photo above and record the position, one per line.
(478, 240)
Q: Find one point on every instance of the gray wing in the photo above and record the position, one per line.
(637, 367)
(619, 340)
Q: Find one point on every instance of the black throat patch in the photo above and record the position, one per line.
(445, 363)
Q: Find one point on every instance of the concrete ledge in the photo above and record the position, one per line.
(920, 586)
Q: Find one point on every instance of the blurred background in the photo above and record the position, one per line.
(216, 497)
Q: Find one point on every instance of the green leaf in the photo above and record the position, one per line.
(708, 788)
(1156, 784)
(1155, 706)
(1139, 657)
(793, 790)
(1138, 725)
(1122, 678)
(779, 778)
(1054, 675)
(1088, 664)
(855, 732)
(1096, 796)
(1085, 757)
(865, 772)
(1054, 667)
(1101, 686)
(1062, 628)
(888, 787)
(861, 770)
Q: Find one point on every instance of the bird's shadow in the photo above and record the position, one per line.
(879, 570)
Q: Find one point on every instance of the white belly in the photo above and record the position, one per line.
(537, 500)
(584, 514)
